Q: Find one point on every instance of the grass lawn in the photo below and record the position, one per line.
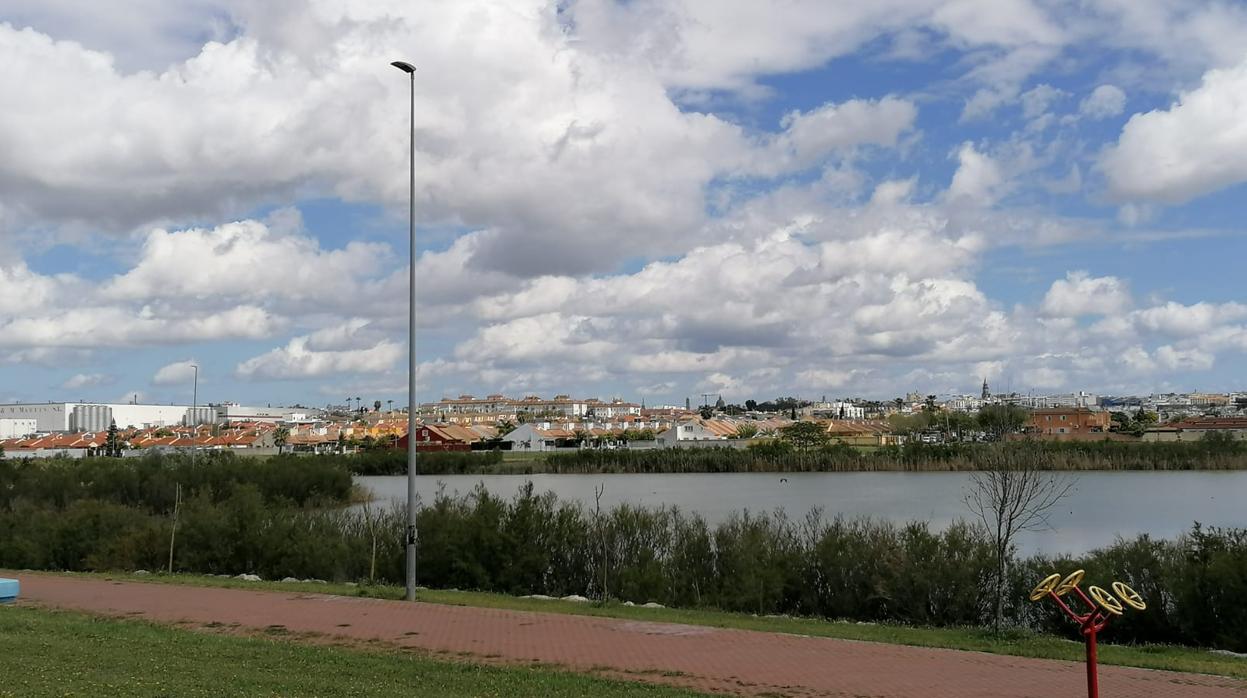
(1023, 644)
(54, 653)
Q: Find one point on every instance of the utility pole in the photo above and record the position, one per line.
(411, 341)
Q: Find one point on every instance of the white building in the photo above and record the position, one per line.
(687, 431)
(528, 437)
(229, 412)
(17, 428)
(94, 416)
(837, 409)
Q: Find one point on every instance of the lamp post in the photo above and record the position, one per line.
(194, 420)
(411, 340)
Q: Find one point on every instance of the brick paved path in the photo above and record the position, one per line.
(730, 661)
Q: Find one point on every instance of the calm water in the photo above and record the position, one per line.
(1102, 506)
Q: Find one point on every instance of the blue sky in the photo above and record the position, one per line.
(647, 199)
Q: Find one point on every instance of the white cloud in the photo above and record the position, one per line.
(1044, 377)
(1038, 100)
(1103, 102)
(978, 179)
(1184, 359)
(141, 34)
(825, 379)
(1081, 294)
(248, 261)
(809, 137)
(120, 327)
(664, 388)
(176, 373)
(1184, 321)
(1195, 147)
(320, 354)
(86, 380)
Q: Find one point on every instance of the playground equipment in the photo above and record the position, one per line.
(8, 590)
(1102, 604)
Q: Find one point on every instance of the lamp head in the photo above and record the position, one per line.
(405, 67)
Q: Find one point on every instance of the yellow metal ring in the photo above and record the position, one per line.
(1129, 596)
(1070, 581)
(1106, 600)
(1045, 587)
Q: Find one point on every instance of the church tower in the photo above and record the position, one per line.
(986, 391)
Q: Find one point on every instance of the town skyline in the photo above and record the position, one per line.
(610, 203)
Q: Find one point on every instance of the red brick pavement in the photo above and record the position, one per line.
(713, 659)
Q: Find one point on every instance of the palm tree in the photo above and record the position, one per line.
(280, 437)
(390, 406)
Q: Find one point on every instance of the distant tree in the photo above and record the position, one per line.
(280, 437)
(751, 405)
(706, 412)
(999, 420)
(804, 435)
(112, 444)
(908, 424)
(929, 404)
(1120, 421)
(1218, 439)
(580, 436)
(793, 414)
(958, 424)
(376, 405)
(746, 431)
(505, 427)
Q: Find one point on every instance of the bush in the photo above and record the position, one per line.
(780, 456)
(533, 543)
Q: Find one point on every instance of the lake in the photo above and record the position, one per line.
(1103, 504)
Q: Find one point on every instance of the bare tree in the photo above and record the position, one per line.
(598, 491)
(1009, 497)
(370, 523)
(173, 532)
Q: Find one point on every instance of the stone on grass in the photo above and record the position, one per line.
(141, 573)
(651, 604)
(575, 598)
(628, 603)
(248, 577)
(539, 597)
(288, 580)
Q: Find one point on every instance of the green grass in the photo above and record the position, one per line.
(1018, 643)
(63, 654)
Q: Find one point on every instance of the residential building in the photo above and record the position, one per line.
(861, 433)
(1068, 420)
(1196, 428)
(499, 407)
(835, 410)
(688, 431)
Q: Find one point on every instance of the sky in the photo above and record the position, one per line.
(641, 199)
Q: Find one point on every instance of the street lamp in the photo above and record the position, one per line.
(194, 420)
(411, 341)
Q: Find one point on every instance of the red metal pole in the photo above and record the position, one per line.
(1093, 682)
